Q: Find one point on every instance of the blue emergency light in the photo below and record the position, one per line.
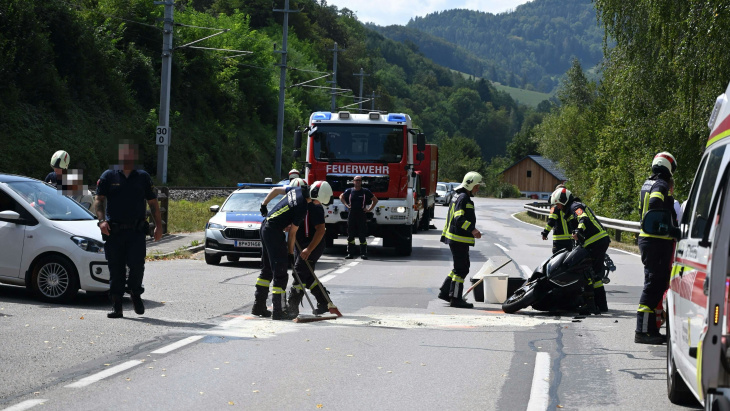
(322, 115)
(258, 185)
(397, 117)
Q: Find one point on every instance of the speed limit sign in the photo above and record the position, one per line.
(162, 136)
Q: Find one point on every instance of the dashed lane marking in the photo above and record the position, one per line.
(104, 374)
(342, 270)
(354, 263)
(25, 405)
(505, 249)
(540, 392)
(375, 241)
(176, 345)
(326, 278)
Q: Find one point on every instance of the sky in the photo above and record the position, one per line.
(388, 12)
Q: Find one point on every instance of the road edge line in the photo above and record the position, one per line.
(174, 346)
(540, 391)
(104, 374)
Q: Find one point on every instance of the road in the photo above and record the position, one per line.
(397, 346)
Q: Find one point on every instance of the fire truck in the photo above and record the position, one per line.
(379, 147)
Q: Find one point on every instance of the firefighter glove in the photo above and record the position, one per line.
(544, 234)
(264, 210)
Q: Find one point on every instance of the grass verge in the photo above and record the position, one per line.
(190, 216)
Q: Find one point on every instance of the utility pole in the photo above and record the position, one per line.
(333, 106)
(372, 100)
(282, 86)
(162, 137)
(362, 75)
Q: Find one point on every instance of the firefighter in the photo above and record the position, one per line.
(59, 162)
(309, 237)
(594, 238)
(459, 233)
(563, 226)
(278, 252)
(656, 251)
(293, 174)
(359, 201)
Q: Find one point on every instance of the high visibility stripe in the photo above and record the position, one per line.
(718, 137)
(645, 309)
(298, 286)
(470, 206)
(263, 283)
(465, 225)
(351, 242)
(676, 270)
(663, 237)
(562, 237)
(598, 284)
(279, 212)
(564, 225)
(548, 227)
(277, 290)
(459, 213)
(468, 240)
(595, 238)
(645, 209)
(581, 225)
(363, 243)
(554, 216)
(658, 195)
(457, 279)
(314, 285)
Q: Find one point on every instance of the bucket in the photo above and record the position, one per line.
(478, 291)
(495, 288)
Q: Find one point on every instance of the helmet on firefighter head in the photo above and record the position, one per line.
(298, 182)
(471, 179)
(664, 163)
(294, 173)
(561, 196)
(321, 191)
(60, 159)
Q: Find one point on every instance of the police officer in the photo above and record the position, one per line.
(656, 251)
(309, 237)
(563, 226)
(123, 225)
(59, 162)
(459, 233)
(278, 252)
(359, 201)
(594, 238)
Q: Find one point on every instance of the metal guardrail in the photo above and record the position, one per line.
(541, 210)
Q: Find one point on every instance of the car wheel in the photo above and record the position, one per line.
(212, 259)
(55, 279)
(677, 390)
(232, 258)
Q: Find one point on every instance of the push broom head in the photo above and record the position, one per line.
(303, 318)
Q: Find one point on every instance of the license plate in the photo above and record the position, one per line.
(240, 243)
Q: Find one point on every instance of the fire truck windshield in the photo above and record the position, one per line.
(366, 143)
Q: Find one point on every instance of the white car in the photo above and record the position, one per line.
(233, 231)
(50, 243)
(443, 193)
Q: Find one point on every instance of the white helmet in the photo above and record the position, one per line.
(60, 159)
(298, 182)
(561, 196)
(664, 161)
(294, 173)
(321, 191)
(471, 179)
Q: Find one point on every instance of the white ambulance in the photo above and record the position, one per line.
(698, 361)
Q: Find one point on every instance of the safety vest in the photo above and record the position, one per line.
(655, 196)
(557, 220)
(588, 225)
(460, 221)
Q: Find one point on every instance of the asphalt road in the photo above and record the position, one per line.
(397, 346)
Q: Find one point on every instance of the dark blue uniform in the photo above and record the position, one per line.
(126, 208)
(356, 219)
(305, 234)
(52, 178)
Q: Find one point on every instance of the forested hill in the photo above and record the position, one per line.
(532, 45)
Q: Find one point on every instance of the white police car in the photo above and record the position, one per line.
(233, 231)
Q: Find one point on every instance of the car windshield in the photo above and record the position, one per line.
(359, 143)
(247, 202)
(50, 202)
(440, 187)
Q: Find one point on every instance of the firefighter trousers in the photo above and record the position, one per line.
(656, 255)
(274, 261)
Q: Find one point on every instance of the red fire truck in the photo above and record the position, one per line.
(380, 147)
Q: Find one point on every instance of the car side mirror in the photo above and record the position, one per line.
(420, 142)
(423, 192)
(214, 209)
(9, 216)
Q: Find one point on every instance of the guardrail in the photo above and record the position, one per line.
(542, 211)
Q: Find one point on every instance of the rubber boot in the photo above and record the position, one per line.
(137, 302)
(322, 304)
(279, 312)
(590, 303)
(600, 299)
(445, 288)
(116, 311)
(364, 251)
(456, 296)
(350, 251)
(649, 338)
(295, 298)
(259, 308)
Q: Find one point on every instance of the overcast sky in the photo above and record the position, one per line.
(387, 12)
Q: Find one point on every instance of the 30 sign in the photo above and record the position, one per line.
(162, 136)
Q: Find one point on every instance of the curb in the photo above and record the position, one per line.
(193, 249)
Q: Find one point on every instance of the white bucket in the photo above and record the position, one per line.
(495, 288)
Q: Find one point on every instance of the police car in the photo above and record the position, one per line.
(233, 231)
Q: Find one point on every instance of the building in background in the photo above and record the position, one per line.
(535, 176)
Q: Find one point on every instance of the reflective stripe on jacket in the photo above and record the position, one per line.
(460, 221)
(655, 196)
(588, 225)
(557, 221)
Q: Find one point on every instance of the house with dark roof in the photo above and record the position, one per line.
(535, 176)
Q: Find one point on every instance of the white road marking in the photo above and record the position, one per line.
(166, 349)
(25, 405)
(527, 270)
(326, 278)
(354, 263)
(375, 241)
(104, 374)
(625, 252)
(505, 249)
(540, 392)
(342, 270)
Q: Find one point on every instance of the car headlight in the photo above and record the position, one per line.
(400, 210)
(214, 226)
(89, 244)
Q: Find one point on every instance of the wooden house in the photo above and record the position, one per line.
(535, 176)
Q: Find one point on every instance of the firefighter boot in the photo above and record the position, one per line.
(350, 251)
(600, 298)
(647, 331)
(456, 296)
(445, 288)
(322, 303)
(137, 302)
(364, 251)
(259, 305)
(279, 312)
(116, 311)
(647, 338)
(295, 298)
(590, 302)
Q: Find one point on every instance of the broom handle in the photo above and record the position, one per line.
(482, 279)
(301, 284)
(311, 270)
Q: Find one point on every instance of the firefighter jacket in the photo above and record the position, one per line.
(561, 223)
(460, 221)
(589, 228)
(655, 196)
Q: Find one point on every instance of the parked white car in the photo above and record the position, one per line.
(50, 243)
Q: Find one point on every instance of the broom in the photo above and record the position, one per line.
(482, 279)
(308, 318)
(330, 305)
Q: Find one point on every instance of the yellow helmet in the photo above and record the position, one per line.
(471, 179)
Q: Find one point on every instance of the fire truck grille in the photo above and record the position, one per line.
(374, 184)
(241, 234)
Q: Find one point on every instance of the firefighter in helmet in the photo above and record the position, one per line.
(59, 162)
(563, 226)
(594, 238)
(294, 173)
(459, 233)
(656, 251)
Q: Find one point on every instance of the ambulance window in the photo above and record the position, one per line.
(687, 212)
(706, 192)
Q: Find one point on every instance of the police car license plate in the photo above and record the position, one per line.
(240, 243)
